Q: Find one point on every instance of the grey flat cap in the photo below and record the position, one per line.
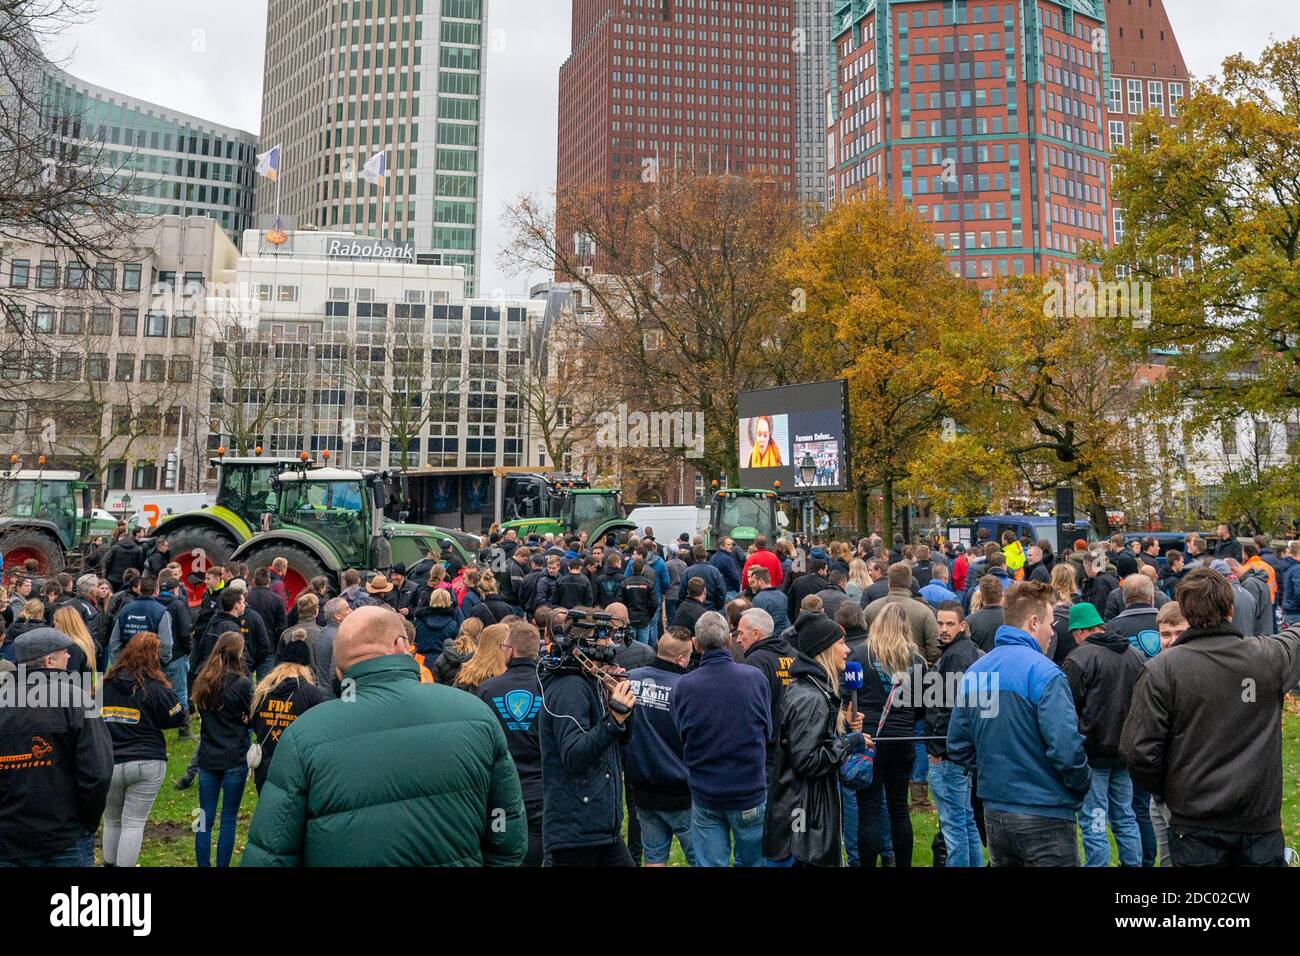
(40, 642)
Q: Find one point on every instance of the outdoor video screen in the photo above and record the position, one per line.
(781, 428)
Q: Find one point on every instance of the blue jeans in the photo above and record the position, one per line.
(950, 784)
(657, 830)
(228, 787)
(715, 831)
(1142, 810)
(921, 763)
(1110, 800)
(178, 672)
(642, 634)
(1291, 617)
(849, 801)
(72, 856)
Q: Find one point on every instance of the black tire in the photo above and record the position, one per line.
(302, 563)
(37, 544)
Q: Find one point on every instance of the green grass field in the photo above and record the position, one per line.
(169, 839)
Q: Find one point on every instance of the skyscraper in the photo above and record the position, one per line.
(813, 52)
(987, 117)
(704, 84)
(345, 80)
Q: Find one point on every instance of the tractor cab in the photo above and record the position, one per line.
(48, 498)
(533, 497)
(743, 514)
(330, 502)
(244, 485)
(588, 509)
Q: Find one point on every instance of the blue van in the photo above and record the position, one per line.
(1034, 527)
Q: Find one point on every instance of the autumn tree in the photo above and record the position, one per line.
(681, 273)
(879, 307)
(1211, 208)
(1066, 386)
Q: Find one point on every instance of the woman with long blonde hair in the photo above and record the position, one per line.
(281, 697)
(489, 659)
(893, 675)
(811, 748)
(859, 580)
(455, 654)
(1065, 587)
(82, 658)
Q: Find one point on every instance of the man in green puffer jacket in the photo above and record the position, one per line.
(401, 774)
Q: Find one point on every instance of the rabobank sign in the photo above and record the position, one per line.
(370, 249)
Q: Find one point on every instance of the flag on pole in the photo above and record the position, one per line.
(268, 164)
(375, 169)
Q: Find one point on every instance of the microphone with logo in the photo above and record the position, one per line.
(853, 682)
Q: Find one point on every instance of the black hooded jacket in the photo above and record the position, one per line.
(955, 659)
(1102, 672)
(774, 656)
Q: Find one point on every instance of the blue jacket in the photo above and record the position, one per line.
(935, 594)
(1289, 582)
(715, 588)
(143, 615)
(1026, 748)
(653, 765)
(434, 626)
(728, 568)
(724, 716)
(773, 601)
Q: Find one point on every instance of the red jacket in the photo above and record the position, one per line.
(959, 568)
(763, 559)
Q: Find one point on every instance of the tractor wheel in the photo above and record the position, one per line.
(198, 548)
(21, 544)
(303, 565)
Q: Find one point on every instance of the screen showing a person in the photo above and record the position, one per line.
(795, 435)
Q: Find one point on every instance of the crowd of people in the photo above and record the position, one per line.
(566, 702)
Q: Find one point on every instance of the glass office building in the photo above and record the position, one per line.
(167, 163)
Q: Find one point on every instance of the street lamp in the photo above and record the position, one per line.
(808, 500)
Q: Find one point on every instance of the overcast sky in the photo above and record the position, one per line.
(205, 58)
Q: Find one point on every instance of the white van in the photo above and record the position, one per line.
(670, 521)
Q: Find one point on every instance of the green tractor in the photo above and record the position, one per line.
(209, 536)
(742, 514)
(40, 518)
(323, 521)
(570, 506)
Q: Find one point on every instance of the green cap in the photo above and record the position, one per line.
(1084, 615)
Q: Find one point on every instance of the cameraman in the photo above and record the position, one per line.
(582, 775)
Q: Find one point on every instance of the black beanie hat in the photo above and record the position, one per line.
(816, 633)
(294, 652)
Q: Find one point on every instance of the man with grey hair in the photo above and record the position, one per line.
(772, 654)
(322, 644)
(723, 714)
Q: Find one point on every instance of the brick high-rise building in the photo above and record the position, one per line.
(1147, 72)
(705, 84)
(988, 117)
